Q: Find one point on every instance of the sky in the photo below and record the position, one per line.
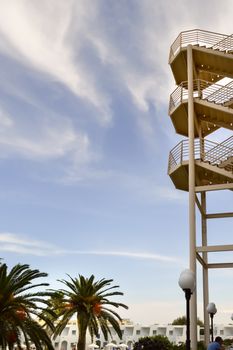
(84, 143)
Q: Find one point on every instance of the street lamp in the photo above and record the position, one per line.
(187, 283)
(211, 309)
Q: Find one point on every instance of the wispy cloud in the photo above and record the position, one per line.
(70, 43)
(49, 138)
(49, 29)
(127, 254)
(143, 188)
(23, 245)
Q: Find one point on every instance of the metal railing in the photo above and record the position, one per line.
(216, 153)
(225, 44)
(199, 37)
(228, 142)
(204, 150)
(224, 146)
(201, 89)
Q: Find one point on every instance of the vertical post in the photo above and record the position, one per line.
(199, 88)
(205, 270)
(187, 297)
(212, 326)
(192, 216)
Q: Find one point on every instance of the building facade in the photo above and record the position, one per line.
(132, 332)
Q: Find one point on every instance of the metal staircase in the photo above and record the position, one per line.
(212, 54)
(202, 66)
(213, 104)
(214, 163)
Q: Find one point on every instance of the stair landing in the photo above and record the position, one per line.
(206, 174)
(210, 64)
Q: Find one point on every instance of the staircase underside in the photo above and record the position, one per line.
(206, 174)
(212, 117)
(210, 64)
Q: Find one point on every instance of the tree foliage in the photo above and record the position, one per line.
(200, 346)
(89, 301)
(157, 342)
(20, 306)
(180, 321)
(160, 342)
(228, 342)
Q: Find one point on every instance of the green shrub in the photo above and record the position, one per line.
(157, 342)
(160, 342)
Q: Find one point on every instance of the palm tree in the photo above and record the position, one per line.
(88, 300)
(54, 303)
(20, 308)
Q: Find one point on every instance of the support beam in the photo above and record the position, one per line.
(205, 275)
(192, 212)
(227, 186)
(215, 248)
(199, 206)
(201, 261)
(219, 215)
(220, 266)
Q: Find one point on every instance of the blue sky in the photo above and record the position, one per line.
(84, 143)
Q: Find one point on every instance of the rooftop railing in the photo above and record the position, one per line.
(205, 38)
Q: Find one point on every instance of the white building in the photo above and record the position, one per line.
(132, 332)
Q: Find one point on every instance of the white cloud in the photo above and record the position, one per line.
(49, 138)
(71, 42)
(127, 254)
(23, 245)
(42, 36)
(52, 38)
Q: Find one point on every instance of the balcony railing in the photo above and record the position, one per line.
(204, 150)
(201, 89)
(205, 38)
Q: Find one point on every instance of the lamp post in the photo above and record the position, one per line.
(211, 309)
(187, 283)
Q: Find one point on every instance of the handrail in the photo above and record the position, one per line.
(205, 38)
(228, 142)
(201, 89)
(204, 150)
(225, 44)
(218, 153)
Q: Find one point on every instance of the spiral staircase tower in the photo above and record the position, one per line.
(201, 104)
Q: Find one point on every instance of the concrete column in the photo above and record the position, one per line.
(192, 214)
(205, 271)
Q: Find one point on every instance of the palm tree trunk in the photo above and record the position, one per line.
(82, 330)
